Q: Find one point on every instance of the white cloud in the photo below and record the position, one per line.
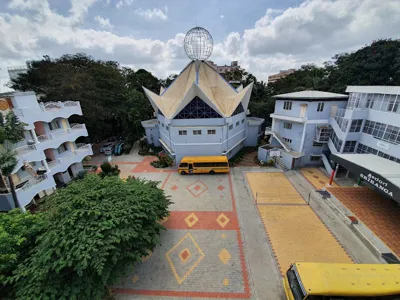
(311, 32)
(103, 22)
(221, 16)
(152, 14)
(122, 3)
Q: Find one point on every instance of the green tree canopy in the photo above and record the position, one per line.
(18, 234)
(96, 228)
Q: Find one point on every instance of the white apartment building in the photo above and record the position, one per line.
(48, 156)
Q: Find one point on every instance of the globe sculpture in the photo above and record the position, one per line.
(198, 43)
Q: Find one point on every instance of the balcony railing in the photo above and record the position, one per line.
(25, 149)
(33, 181)
(59, 105)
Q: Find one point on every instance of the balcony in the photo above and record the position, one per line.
(47, 112)
(32, 186)
(62, 163)
(289, 118)
(28, 153)
(56, 137)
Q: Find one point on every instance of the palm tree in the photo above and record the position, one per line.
(8, 161)
(11, 132)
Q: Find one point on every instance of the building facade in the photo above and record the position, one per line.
(48, 156)
(370, 122)
(223, 69)
(300, 128)
(282, 74)
(367, 122)
(200, 113)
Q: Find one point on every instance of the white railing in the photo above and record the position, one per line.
(25, 149)
(59, 131)
(70, 103)
(52, 105)
(33, 181)
(82, 147)
(77, 126)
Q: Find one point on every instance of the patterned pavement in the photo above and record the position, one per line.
(294, 231)
(318, 179)
(377, 213)
(201, 252)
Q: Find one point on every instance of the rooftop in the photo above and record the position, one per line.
(374, 89)
(311, 95)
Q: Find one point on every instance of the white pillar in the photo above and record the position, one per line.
(46, 165)
(33, 133)
(303, 137)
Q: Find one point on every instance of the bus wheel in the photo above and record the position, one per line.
(212, 172)
(183, 173)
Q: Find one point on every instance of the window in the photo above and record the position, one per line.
(230, 127)
(356, 125)
(211, 131)
(320, 106)
(196, 132)
(55, 125)
(315, 158)
(166, 127)
(316, 144)
(237, 123)
(365, 149)
(162, 124)
(62, 148)
(210, 164)
(349, 146)
(287, 125)
(242, 121)
(336, 141)
(182, 132)
(287, 105)
(287, 140)
(183, 165)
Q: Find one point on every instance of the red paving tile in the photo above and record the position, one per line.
(381, 215)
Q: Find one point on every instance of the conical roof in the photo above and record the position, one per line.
(201, 80)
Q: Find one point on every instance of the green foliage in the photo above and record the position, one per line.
(109, 170)
(18, 232)
(96, 229)
(164, 161)
(148, 149)
(8, 161)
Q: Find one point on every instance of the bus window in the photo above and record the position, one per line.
(183, 165)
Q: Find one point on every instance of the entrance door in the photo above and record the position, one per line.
(303, 110)
(190, 168)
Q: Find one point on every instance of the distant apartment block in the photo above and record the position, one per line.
(13, 72)
(308, 126)
(223, 69)
(282, 74)
(48, 156)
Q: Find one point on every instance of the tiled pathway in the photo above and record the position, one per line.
(295, 232)
(201, 253)
(318, 179)
(379, 214)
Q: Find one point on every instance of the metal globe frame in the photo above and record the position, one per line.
(198, 43)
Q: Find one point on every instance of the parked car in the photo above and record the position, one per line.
(109, 147)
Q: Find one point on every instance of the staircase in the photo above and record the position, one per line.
(282, 141)
(279, 163)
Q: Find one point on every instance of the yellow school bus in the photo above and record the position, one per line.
(203, 164)
(321, 281)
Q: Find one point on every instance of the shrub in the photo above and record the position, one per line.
(97, 229)
(164, 161)
(109, 170)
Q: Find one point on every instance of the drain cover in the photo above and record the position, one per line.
(324, 194)
(390, 258)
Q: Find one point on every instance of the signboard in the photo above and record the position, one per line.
(378, 182)
(373, 179)
(383, 145)
(274, 153)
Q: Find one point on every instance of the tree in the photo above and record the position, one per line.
(18, 234)
(97, 228)
(11, 132)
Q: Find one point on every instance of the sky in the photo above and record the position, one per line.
(265, 36)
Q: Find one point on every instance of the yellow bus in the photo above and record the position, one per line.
(322, 281)
(203, 164)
